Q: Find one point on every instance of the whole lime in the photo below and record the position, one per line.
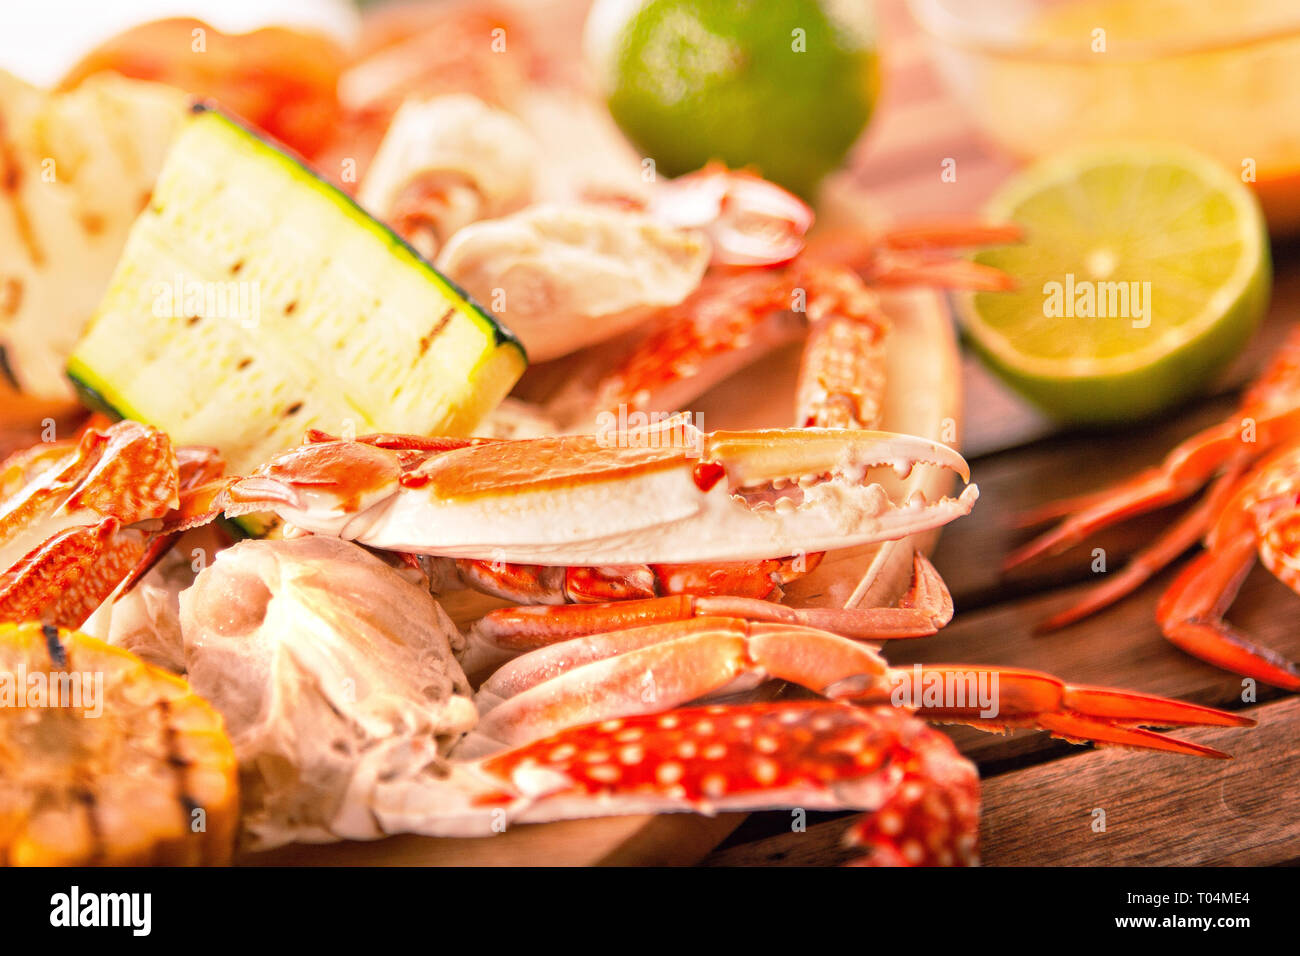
(784, 87)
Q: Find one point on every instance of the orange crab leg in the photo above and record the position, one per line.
(64, 579)
(501, 634)
(995, 698)
(541, 584)
(1191, 615)
(842, 373)
(916, 255)
(202, 486)
(899, 270)
(78, 500)
(732, 320)
(1177, 539)
(951, 235)
(658, 667)
(1179, 477)
(127, 472)
(1268, 409)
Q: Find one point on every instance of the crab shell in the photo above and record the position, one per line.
(658, 496)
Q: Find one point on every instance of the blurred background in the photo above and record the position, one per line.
(895, 110)
(997, 80)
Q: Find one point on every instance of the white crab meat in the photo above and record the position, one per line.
(335, 675)
(566, 276)
(469, 160)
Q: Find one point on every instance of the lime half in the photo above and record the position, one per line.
(1144, 270)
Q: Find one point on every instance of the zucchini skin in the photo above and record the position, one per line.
(92, 398)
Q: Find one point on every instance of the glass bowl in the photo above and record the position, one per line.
(1222, 76)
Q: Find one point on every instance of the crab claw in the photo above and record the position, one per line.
(64, 579)
(750, 221)
(127, 472)
(669, 494)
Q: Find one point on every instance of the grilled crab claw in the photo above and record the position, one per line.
(668, 494)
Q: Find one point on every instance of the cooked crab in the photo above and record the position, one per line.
(444, 163)
(345, 703)
(567, 276)
(77, 517)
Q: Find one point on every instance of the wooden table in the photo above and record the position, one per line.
(1041, 795)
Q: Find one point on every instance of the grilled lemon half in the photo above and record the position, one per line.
(105, 759)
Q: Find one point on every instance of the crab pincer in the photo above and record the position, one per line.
(667, 494)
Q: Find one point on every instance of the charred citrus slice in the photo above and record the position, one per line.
(105, 759)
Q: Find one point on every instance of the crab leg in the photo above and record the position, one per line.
(667, 495)
(538, 584)
(658, 667)
(71, 502)
(1259, 518)
(127, 471)
(950, 235)
(736, 317)
(63, 580)
(505, 633)
(995, 698)
(1191, 616)
(842, 373)
(1268, 416)
(1177, 539)
(1184, 472)
(732, 320)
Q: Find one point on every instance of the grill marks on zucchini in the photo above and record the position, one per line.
(352, 329)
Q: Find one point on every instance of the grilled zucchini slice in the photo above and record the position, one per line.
(254, 301)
